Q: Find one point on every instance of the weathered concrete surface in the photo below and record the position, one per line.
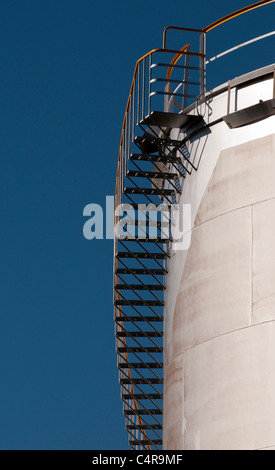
(244, 175)
(229, 391)
(220, 352)
(264, 261)
(174, 415)
(215, 292)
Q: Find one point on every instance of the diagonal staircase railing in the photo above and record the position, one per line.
(151, 171)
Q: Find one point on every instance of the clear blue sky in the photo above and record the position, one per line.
(65, 72)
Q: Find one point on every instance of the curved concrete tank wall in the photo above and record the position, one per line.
(220, 316)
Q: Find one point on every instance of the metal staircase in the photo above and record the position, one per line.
(152, 167)
(151, 172)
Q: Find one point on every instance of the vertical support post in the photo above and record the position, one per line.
(229, 98)
(143, 89)
(138, 93)
(166, 98)
(124, 154)
(150, 78)
(125, 147)
(203, 64)
(134, 111)
(186, 79)
(129, 133)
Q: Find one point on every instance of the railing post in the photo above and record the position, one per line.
(138, 93)
(134, 111)
(229, 98)
(143, 89)
(203, 64)
(185, 80)
(150, 78)
(166, 98)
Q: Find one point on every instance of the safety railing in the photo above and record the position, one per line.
(145, 87)
(240, 46)
(157, 84)
(151, 88)
(235, 14)
(164, 80)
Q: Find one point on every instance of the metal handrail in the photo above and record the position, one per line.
(240, 46)
(120, 175)
(178, 55)
(235, 14)
(203, 31)
(130, 113)
(178, 28)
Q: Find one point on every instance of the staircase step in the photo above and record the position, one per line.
(141, 381)
(141, 255)
(147, 143)
(139, 334)
(144, 208)
(142, 396)
(147, 319)
(142, 412)
(150, 143)
(140, 303)
(147, 240)
(145, 350)
(148, 287)
(147, 271)
(155, 158)
(151, 174)
(146, 442)
(140, 427)
(150, 191)
(151, 223)
(171, 120)
(140, 365)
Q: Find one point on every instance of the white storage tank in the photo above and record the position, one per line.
(220, 301)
